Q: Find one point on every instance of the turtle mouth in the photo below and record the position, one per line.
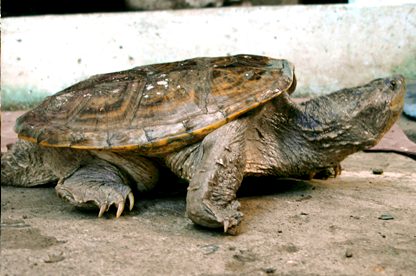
(396, 104)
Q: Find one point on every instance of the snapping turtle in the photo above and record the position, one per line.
(211, 121)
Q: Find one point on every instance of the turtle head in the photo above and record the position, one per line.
(354, 119)
(374, 107)
(385, 96)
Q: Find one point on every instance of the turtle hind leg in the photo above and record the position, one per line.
(24, 165)
(211, 199)
(328, 172)
(322, 173)
(97, 184)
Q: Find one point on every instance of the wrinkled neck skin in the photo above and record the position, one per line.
(286, 139)
(291, 140)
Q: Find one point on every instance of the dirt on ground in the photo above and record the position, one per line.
(360, 223)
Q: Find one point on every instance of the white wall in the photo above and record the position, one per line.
(332, 46)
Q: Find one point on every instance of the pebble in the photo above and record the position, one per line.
(303, 197)
(386, 217)
(348, 253)
(55, 258)
(245, 256)
(378, 171)
(269, 270)
(210, 248)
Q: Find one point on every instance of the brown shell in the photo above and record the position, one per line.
(156, 108)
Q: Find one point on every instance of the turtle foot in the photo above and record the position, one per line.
(100, 196)
(120, 206)
(212, 216)
(93, 187)
(328, 172)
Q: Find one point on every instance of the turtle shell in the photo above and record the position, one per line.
(158, 108)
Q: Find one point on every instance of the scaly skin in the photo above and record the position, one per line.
(280, 138)
(284, 139)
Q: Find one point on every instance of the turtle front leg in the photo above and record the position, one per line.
(211, 199)
(97, 184)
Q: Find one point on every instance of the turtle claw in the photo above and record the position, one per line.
(226, 225)
(103, 208)
(120, 206)
(131, 201)
(120, 209)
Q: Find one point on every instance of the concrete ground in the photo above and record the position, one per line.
(360, 223)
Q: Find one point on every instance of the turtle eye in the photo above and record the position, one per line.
(393, 84)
